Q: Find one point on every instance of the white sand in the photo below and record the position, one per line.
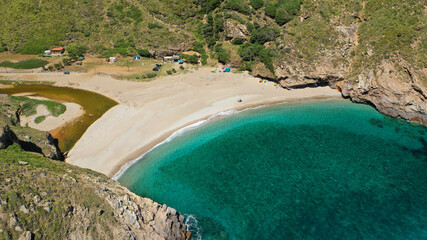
(148, 112)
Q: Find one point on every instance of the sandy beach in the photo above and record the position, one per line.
(149, 112)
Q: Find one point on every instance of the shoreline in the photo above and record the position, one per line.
(149, 112)
(135, 156)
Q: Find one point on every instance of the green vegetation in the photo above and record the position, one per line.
(95, 105)
(40, 26)
(209, 5)
(26, 64)
(386, 29)
(257, 4)
(238, 5)
(39, 119)
(50, 190)
(18, 82)
(29, 106)
(283, 11)
(76, 50)
(193, 59)
(238, 41)
(144, 53)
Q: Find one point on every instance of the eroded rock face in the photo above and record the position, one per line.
(392, 91)
(235, 29)
(79, 204)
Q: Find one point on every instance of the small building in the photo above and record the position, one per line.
(57, 52)
(173, 58)
(47, 53)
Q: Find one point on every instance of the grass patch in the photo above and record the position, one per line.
(22, 82)
(39, 119)
(26, 64)
(29, 106)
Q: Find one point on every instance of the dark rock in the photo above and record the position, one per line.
(7, 137)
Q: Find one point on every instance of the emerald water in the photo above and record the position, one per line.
(328, 169)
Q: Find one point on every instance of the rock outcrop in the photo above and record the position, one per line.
(334, 51)
(393, 92)
(234, 29)
(29, 139)
(61, 201)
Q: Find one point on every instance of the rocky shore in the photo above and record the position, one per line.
(45, 199)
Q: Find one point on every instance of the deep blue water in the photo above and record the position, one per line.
(326, 169)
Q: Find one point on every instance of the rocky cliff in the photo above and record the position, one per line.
(367, 49)
(45, 199)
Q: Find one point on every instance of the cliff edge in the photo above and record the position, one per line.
(45, 199)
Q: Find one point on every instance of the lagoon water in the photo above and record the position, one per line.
(325, 169)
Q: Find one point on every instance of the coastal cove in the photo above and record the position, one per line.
(329, 169)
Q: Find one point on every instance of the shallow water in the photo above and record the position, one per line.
(94, 105)
(316, 170)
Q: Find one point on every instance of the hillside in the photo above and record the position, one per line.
(45, 199)
(33, 26)
(372, 48)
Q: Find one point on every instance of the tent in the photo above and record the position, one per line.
(180, 61)
(227, 70)
(80, 58)
(137, 57)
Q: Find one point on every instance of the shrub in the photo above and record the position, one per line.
(181, 67)
(209, 5)
(144, 53)
(76, 50)
(265, 57)
(193, 59)
(250, 52)
(263, 35)
(239, 6)
(169, 72)
(34, 48)
(238, 41)
(26, 64)
(151, 75)
(66, 61)
(257, 4)
(282, 16)
(154, 25)
(270, 9)
(39, 119)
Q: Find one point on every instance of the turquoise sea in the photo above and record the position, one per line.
(328, 169)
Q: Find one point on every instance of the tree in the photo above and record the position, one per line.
(263, 35)
(76, 50)
(193, 59)
(238, 41)
(270, 9)
(282, 16)
(257, 4)
(144, 53)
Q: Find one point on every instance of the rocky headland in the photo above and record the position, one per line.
(45, 199)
